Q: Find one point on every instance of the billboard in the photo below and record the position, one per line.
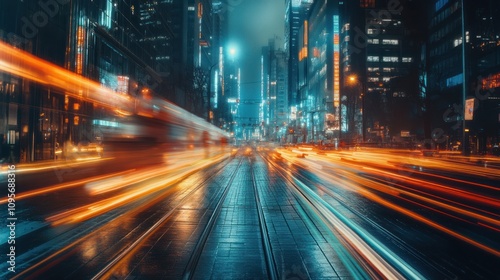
(469, 109)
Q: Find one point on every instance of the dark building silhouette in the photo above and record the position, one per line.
(460, 70)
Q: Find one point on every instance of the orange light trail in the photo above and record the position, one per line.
(65, 185)
(347, 175)
(26, 65)
(161, 182)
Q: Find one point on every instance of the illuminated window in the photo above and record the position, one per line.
(390, 42)
(390, 59)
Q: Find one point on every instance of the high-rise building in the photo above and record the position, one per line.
(295, 13)
(321, 102)
(389, 55)
(353, 68)
(378, 61)
(274, 92)
(220, 61)
(279, 92)
(459, 70)
(302, 107)
(180, 35)
(264, 86)
(160, 26)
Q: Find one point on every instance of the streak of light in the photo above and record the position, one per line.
(65, 185)
(429, 185)
(433, 224)
(130, 252)
(462, 181)
(349, 179)
(455, 164)
(359, 240)
(161, 182)
(55, 165)
(440, 188)
(89, 254)
(452, 208)
(26, 65)
(181, 161)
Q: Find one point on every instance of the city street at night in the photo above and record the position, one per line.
(250, 139)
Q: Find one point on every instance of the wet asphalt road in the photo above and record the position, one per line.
(256, 215)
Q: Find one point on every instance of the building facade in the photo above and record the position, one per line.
(321, 100)
(462, 74)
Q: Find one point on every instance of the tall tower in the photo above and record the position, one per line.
(377, 53)
(463, 58)
(323, 71)
(295, 13)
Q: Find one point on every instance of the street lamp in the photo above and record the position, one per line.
(233, 52)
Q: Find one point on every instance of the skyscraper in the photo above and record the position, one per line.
(295, 13)
(323, 78)
(460, 70)
(377, 52)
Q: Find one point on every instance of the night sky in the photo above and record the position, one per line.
(251, 24)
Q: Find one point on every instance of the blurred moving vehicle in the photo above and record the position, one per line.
(160, 121)
(81, 150)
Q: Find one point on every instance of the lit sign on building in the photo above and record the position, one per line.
(336, 61)
(216, 89)
(455, 80)
(303, 51)
(80, 45)
(122, 84)
(469, 109)
(491, 82)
